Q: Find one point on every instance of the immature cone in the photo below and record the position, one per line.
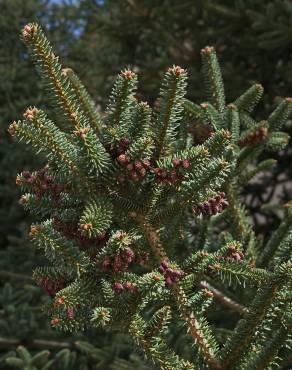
(128, 74)
(138, 165)
(120, 235)
(232, 106)
(204, 105)
(142, 172)
(82, 132)
(30, 113)
(60, 300)
(176, 162)
(254, 137)
(70, 313)
(28, 31)
(67, 72)
(213, 205)
(123, 158)
(118, 287)
(23, 200)
(55, 322)
(86, 227)
(185, 163)
(207, 50)
(52, 286)
(134, 175)
(106, 264)
(130, 286)
(177, 173)
(171, 275)
(146, 163)
(234, 254)
(176, 70)
(18, 181)
(35, 229)
(129, 254)
(121, 261)
(12, 128)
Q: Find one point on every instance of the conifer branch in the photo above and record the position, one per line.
(51, 68)
(87, 103)
(170, 105)
(195, 328)
(55, 139)
(120, 103)
(144, 193)
(213, 78)
(199, 331)
(238, 343)
(237, 214)
(151, 235)
(270, 350)
(222, 298)
(157, 349)
(274, 242)
(250, 98)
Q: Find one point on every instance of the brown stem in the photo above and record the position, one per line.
(152, 237)
(228, 302)
(194, 326)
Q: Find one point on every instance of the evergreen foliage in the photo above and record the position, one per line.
(252, 37)
(118, 206)
(20, 87)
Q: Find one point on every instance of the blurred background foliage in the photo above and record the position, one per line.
(97, 38)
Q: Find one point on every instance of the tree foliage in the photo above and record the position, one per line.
(117, 209)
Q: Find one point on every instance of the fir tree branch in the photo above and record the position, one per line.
(55, 138)
(244, 333)
(171, 104)
(213, 78)
(237, 214)
(274, 243)
(151, 235)
(120, 103)
(250, 98)
(87, 103)
(143, 184)
(201, 335)
(270, 350)
(195, 328)
(157, 349)
(51, 69)
(166, 119)
(279, 116)
(226, 301)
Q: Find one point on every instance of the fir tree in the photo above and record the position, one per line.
(21, 319)
(144, 229)
(252, 37)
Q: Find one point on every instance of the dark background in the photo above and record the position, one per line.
(253, 39)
